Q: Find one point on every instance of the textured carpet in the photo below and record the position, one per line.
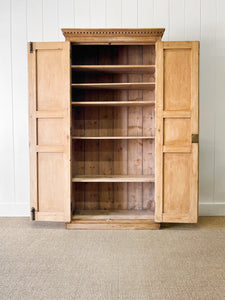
(45, 261)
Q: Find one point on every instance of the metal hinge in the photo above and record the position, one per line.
(32, 214)
(31, 47)
(70, 52)
(194, 138)
(70, 131)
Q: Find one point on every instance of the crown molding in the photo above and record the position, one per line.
(102, 35)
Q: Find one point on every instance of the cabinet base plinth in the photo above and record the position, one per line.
(114, 224)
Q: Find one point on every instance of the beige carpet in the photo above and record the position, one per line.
(45, 261)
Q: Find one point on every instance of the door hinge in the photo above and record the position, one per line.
(70, 131)
(70, 52)
(31, 47)
(33, 214)
(194, 138)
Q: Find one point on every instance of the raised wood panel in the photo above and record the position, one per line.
(50, 131)
(177, 171)
(51, 87)
(177, 132)
(51, 191)
(177, 79)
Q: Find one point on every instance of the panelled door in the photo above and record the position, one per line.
(49, 117)
(177, 132)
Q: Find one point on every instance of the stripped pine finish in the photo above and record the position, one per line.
(116, 133)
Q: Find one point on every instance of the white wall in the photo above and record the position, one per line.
(41, 20)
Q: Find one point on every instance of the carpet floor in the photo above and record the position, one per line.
(46, 261)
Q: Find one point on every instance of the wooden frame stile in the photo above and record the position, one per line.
(49, 149)
(176, 124)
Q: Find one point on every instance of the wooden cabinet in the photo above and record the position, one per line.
(114, 129)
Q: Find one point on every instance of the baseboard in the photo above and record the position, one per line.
(14, 209)
(23, 209)
(212, 209)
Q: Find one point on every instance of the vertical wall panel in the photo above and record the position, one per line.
(50, 20)
(41, 20)
(98, 14)
(192, 20)
(35, 20)
(6, 108)
(146, 13)
(219, 102)
(129, 13)
(207, 100)
(114, 13)
(177, 20)
(65, 16)
(20, 101)
(82, 13)
(161, 16)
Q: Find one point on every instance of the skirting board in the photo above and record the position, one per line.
(14, 209)
(211, 209)
(23, 209)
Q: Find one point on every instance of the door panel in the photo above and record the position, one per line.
(176, 121)
(49, 111)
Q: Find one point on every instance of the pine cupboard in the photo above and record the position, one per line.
(113, 116)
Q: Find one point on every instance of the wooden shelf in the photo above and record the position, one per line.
(113, 103)
(124, 214)
(115, 68)
(112, 137)
(127, 85)
(113, 178)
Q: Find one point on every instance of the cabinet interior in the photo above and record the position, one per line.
(113, 130)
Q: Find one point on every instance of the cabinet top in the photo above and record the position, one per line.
(113, 35)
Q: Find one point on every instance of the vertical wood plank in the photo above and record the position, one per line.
(145, 13)
(34, 20)
(97, 16)
(50, 21)
(135, 128)
(65, 16)
(162, 17)
(113, 14)
(219, 193)
(120, 129)
(6, 107)
(105, 129)
(192, 20)
(20, 101)
(82, 13)
(177, 28)
(207, 106)
(129, 13)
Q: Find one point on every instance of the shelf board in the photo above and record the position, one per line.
(115, 68)
(125, 214)
(126, 85)
(112, 137)
(113, 178)
(113, 103)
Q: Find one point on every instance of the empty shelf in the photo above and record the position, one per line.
(115, 68)
(112, 137)
(113, 178)
(113, 103)
(127, 85)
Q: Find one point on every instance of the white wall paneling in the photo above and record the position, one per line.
(41, 20)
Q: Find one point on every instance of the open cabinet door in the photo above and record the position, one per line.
(49, 118)
(177, 132)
